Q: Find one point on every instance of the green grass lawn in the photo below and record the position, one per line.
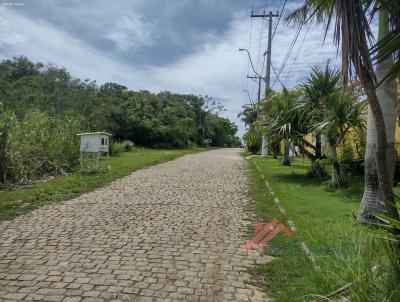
(21, 200)
(324, 220)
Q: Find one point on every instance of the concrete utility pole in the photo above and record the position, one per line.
(267, 79)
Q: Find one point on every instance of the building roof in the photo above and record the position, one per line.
(94, 133)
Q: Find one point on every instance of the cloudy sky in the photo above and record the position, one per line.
(184, 46)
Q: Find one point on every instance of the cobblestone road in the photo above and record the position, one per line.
(171, 232)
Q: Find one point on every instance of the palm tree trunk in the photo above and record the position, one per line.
(372, 201)
(286, 157)
(275, 150)
(337, 176)
(318, 146)
(385, 182)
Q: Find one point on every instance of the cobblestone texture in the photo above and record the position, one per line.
(171, 232)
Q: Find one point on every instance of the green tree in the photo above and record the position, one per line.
(319, 85)
(249, 114)
(340, 115)
(353, 34)
(286, 120)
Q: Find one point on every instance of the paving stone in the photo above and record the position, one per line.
(14, 296)
(72, 299)
(171, 232)
(53, 298)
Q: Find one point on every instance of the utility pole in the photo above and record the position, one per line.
(267, 79)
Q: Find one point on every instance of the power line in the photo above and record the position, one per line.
(250, 45)
(301, 45)
(266, 4)
(291, 47)
(267, 78)
(280, 16)
(259, 45)
(277, 77)
(260, 41)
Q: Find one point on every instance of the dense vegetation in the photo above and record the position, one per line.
(44, 107)
(327, 120)
(345, 256)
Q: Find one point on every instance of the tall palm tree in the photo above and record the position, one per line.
(352, 32)
(388, 45)
(372, 201)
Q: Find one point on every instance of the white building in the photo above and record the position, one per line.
(95, 144)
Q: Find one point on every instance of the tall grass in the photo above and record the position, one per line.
(362, 271)
(38, 145)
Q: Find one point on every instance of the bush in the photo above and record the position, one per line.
(353, 167)
(253, 140)
(119, 147)
(318, 168)
(349, 162)
(40, 145)
(128, 145)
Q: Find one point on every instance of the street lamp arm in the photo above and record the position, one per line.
(248, 95)
(251, 62)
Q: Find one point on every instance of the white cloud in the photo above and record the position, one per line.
(216, 68)
(42, 42)
(130, 32)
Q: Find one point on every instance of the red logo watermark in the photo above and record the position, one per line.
(265, 233)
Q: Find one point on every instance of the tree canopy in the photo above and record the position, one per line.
(164, 119)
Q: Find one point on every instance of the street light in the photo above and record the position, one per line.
(251, 62)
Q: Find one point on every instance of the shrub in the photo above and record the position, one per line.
(119, 147)
(253, 140)
(127, 145)
(40, 145)
(364, 271)
(318, 168)
(350, 162)
(115, 148)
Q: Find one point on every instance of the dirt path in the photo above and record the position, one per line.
(171, 232)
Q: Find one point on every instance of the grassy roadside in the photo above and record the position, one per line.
(324, 220)
(22, 200)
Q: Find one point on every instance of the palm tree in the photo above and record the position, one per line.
(249, 114)
(372, 201)
(286, 120)
(320, 85)
(388, 45)
(353, 32)
(340, 115)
